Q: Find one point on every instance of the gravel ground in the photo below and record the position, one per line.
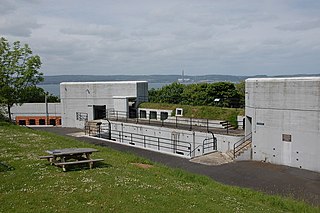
(269, 178)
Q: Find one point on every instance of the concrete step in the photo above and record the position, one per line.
(245, 147)
(215, 158)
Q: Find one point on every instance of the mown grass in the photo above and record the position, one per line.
(117, 185)
(205, 112)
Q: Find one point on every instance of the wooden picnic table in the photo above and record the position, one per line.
(71, 156)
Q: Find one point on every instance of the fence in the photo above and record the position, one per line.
(204, 125)
(169, 145)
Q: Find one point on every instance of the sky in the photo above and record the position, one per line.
(145, 37)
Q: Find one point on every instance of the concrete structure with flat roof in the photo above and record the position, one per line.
(83, 101)
(283, 116)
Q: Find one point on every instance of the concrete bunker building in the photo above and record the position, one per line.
(283, 116)
(83, 101)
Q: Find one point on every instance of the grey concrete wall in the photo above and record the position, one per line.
(36, 109)
(194, 139)
(285, 116)
(82, 96)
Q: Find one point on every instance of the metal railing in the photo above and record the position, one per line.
(241, 144)
(152, 142)
(174, 122)
(209, 144)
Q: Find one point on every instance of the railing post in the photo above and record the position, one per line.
(227, 127)
(144, 141)
(176, 122)
(158, 143)
(203, 147)
(207, 125)
(99, 131)
(137, 116)
(190, 128)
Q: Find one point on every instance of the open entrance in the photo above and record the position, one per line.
(248, 125)
(132, 108)
(99, 112)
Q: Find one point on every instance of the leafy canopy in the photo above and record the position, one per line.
(224, 94)
(19, 70)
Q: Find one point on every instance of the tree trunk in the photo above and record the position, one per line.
(9, 112)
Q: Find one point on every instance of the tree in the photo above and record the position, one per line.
(171, 93)
(19, 70)
(35, 94)
(241, 88)
(195, 94)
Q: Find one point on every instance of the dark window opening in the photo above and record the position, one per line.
(42, 122)
(143, 114)
(163, 115)
(153, 115)
(32, 122)
(22, 122)
(52, 122)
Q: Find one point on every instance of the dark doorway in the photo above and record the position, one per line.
(99, 112)
(132, 108)
(248, 125)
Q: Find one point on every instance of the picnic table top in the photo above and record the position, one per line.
(70, 151)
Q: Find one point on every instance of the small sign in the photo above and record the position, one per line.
(286, 137)
(260, 123)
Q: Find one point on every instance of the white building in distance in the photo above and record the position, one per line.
(81, 101)
(283, 115)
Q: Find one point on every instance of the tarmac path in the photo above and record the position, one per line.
(269, 178)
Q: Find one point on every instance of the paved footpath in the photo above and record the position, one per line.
(271, 179)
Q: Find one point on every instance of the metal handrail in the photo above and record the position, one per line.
(146, 140)
(214, 144)
(185, 123)
(195, 149)
(241, 143)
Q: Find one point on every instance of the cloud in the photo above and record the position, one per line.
(18, 26)
(105, 31)
(7, 6)
(150, 37)
(300, 25)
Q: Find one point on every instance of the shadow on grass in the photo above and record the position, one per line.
(73, 168)
(4, 167)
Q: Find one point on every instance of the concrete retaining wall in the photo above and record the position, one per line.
(149, 137)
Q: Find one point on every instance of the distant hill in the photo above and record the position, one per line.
(57, 79)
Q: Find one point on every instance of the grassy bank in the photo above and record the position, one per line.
(123, 183)
(206, 112)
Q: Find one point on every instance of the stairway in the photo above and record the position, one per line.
(241, 146)
(92, 127)
(227, 125)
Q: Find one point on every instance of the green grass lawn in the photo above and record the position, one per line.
(117, 185)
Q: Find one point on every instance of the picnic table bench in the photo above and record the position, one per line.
(62, 157)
